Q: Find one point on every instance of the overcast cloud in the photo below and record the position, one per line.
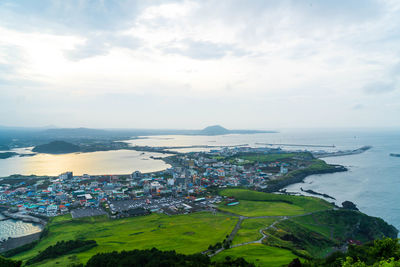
(189, 64)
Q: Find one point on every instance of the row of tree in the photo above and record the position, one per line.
(61, 248)
(157, 258)
(4, 262)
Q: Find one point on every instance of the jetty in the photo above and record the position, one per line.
(300, 145)
(324, 154)
(22, 217)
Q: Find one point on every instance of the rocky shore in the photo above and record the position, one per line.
(14, 242)
(276, 185)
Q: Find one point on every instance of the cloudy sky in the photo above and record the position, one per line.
(187, 64)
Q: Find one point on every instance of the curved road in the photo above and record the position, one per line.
(264, 236)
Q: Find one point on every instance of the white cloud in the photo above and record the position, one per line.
(303, 57)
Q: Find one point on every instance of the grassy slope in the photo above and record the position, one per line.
(267, 157)
(183, 233)
(259, 254)
(261, 208)
(249, 230)
(254, 203)
(291, 235)
(316, 234)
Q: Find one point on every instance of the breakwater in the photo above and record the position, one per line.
(23, 217)
(341, 153)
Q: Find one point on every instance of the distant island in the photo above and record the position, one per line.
(214, 130)
(219, 130)
(6, 155)
(90, 139)
(57, 147)
(72, 140)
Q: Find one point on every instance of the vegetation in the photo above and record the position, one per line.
(56, 147)
(257, 157)
(317, 166)
(9, 263)
(318, 232)
(384, 252)
(187, 234)
(20, 249)
(250, 230)
(5, 155)
(262, 208)
(253, 203)
(62, 248)
(259, 254)
(154, 257)
(349, 205)
(316, 235)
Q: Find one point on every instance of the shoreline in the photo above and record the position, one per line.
(15, 242)
(299, 178)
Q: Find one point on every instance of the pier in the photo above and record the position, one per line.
(22, 217)
(301, 145)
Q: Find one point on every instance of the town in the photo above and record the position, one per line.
(185, 187)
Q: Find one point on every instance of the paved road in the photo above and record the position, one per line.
(264, 236)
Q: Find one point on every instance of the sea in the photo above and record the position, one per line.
(372, 181)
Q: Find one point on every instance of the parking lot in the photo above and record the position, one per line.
(87, 212)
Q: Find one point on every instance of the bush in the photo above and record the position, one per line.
(61, 248)
(20, 249)
(9, 263)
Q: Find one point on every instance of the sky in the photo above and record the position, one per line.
(242, 64)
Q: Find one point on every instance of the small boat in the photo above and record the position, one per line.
(394, 155)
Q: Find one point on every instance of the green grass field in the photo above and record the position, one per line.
(255, 204)
(249, 230)
(268, 157)
(259, 254)
(184, 233)
(261, 208)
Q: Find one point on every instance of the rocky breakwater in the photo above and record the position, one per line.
(23, 217)
(15, 242)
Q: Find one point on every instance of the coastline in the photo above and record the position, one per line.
(277, 185)
(14, 242)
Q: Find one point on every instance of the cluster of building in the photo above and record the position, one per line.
(179, 189)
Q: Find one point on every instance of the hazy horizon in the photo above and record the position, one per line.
(264, 65)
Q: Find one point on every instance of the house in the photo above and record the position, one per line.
(51, 210)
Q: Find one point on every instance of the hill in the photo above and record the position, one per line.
(214, 130)
(219, 130)
(56, 147)
(264, 229)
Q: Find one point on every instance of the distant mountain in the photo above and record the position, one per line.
(56, 147)
(27, 137)
(214, 130)
(219, 130)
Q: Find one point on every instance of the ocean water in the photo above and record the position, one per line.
(372, 182)
(373, 179)
(95, 163)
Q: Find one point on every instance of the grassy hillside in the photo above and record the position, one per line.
(186, 234)
(250, 230)
(259, 254)
(254, 203)
(316, 235)
(314, 231)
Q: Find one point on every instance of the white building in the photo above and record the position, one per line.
(52, 210)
